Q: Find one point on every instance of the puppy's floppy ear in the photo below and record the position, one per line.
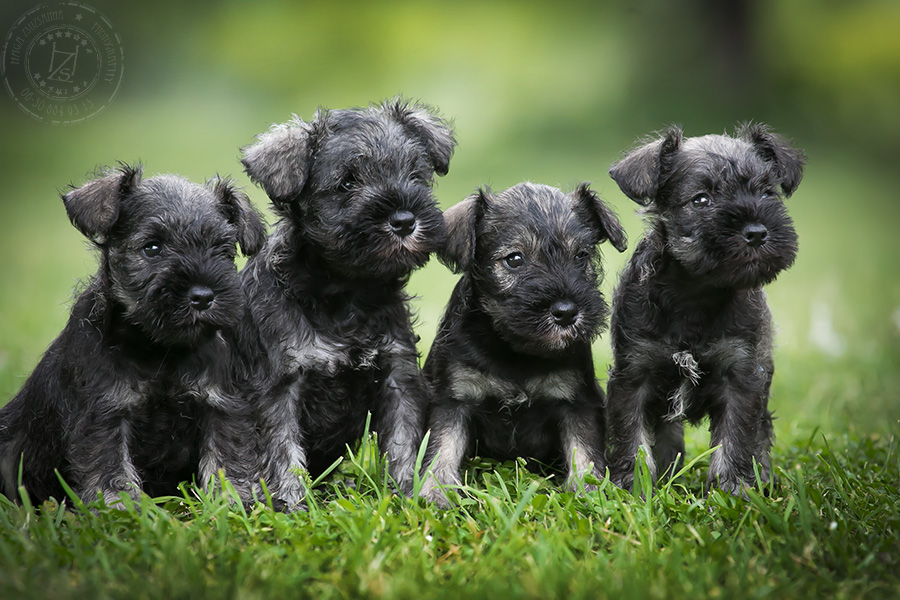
(787, 161)
(94, 207)
(241, 213)
(458, 252)
(433, 131)
(602, 217)
(279, 161)
(640, 172)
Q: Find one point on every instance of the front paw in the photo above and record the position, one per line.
(433, 493)
(236, 491)
(623, 478)
(288, 497)
(405, 486)
(577, 485)
(111, 495)
(733, 485)
(282, 506)
(401, 469)
(575, 482)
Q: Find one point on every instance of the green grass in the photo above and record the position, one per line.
(827, 529)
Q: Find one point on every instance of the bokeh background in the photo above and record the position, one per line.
(551, 92)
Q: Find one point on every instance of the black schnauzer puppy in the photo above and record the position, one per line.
(134, 392)
(691, 331)
(330, 326)
(511, 366)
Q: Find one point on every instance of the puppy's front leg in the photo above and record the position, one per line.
(735, 427)
(101, 458)
(582, 441)
(668, 451)
(281, 442)
(449, 425)
(627, 399)
(228, 444)
(399, 415)
(740, 423)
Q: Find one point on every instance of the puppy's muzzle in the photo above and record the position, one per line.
(755, 234)
(201, 297)
(403, 223)
(564, 313)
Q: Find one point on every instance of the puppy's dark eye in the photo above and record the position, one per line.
(151, 249)
(582, 256)
(514, 260)
(768, 194)
(349, 182)
(701, 201)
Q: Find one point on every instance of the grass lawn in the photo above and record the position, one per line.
(829, 528)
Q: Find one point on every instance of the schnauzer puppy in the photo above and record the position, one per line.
(511, 366)
(691, 331)
(330, 322)
(134, 392)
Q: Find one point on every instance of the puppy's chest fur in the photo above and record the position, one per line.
(169, 377)
(346, 342)
(515, 415)
(311, 349)
(165, 407)
(481, 386)
(516, 402)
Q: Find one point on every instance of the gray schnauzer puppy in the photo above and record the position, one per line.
(329, 338)
(134, 392)
(691, 331)
(511, 366)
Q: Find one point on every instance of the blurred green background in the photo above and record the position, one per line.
(551, 92)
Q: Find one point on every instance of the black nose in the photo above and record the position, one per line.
(201, 297)
(564, 312)
(755, 234)
(403, 223)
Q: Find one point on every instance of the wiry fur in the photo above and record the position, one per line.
(329, 337)
(511, 366)
(133, 394)
(691, 331)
